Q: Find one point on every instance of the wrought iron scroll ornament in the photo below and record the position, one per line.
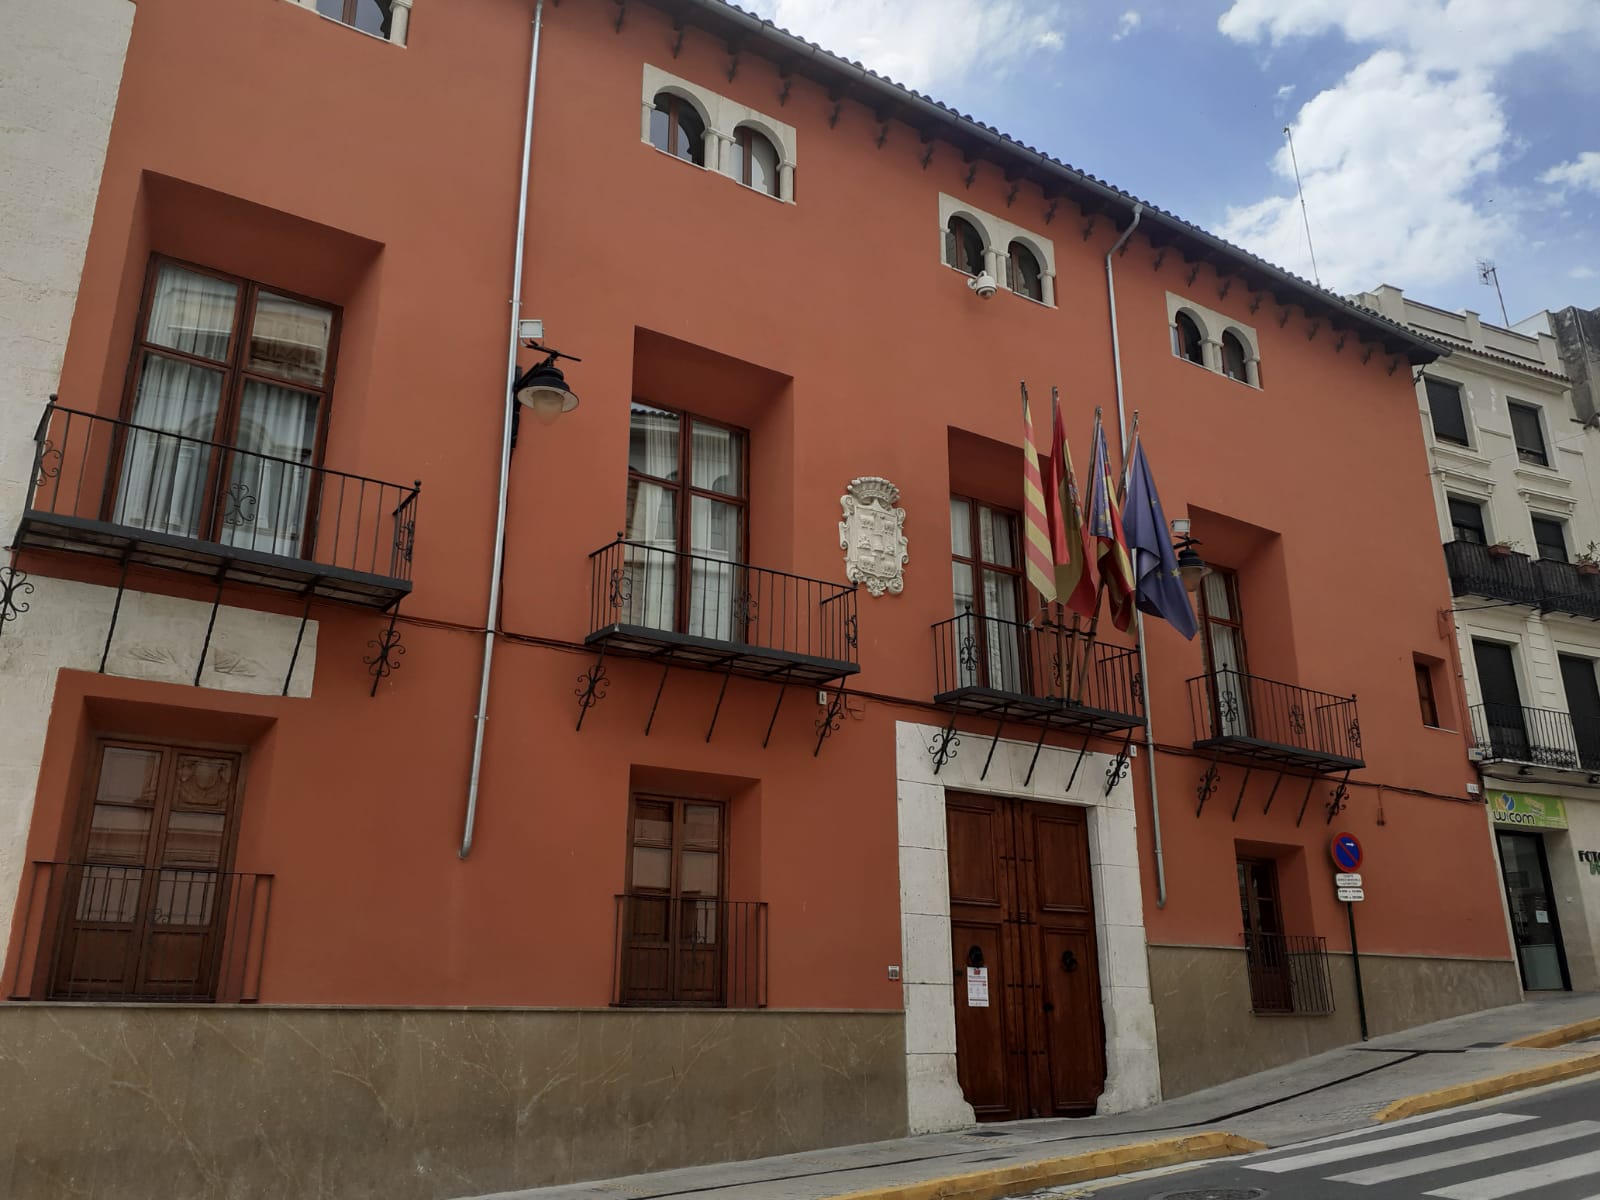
(1227, 708)
(1337, 797)
(241, 507)
(388, 652)
(1355, 733)
(13, 584)
(1297, 719)
(828, 723)
(851, 632)
(872, 537)
(591, 689)
(745, 610)
(1117, 769)
(1207, 785)
(944, 746)
(48, 465)
(620, 593)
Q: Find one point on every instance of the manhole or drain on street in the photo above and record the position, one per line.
(1215, 1194)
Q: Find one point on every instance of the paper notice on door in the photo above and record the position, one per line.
(977, 987)
(1541, 916)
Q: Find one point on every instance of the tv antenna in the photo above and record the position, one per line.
(1487, 275)
(1304, 216)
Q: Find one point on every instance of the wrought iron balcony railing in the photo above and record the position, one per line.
(1543, 737)
(1288, 973)
(1035, 673)
(695, 609)
(1517, 579)
(117, 490)
(694, 951)
(1253, 718)
(103, 931)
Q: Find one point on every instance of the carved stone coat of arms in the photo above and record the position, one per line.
(871, 537)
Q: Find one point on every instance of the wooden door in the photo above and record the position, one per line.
(674, 917)
(1021, 910)
(143, 901)
(1266, 952)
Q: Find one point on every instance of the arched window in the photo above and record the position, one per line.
(1027, 277)
(1233, 358)
(1186, 341)
(676, 127)
(755, 160)
(963, 246)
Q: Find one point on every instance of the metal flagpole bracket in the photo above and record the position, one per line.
(944, 746)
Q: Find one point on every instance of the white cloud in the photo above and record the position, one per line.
(1396, 157)
(928, 45)
(1126, 24)
(1582, 173)
(1582, 273)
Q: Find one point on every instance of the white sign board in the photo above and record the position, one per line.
(977, 987)
(1352, 894)
(1347, 880)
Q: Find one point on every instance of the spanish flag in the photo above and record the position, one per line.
(1105, 528)
(1035, 525)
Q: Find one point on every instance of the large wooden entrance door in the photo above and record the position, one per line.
(1021, 909)
(144, 900)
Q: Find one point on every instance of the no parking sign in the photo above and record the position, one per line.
(1346, 851)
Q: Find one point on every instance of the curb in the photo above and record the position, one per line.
(1484, 1089)
(1093, 1164)
(1559, 1036)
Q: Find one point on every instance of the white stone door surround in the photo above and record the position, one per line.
(933, 1095)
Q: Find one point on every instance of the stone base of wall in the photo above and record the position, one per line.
(405, 1104)
(1206, 1033)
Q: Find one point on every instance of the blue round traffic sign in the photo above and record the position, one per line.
(1346, 851)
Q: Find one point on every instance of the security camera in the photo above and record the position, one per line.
(984, 285)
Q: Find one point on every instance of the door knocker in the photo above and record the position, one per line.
(1069, 961)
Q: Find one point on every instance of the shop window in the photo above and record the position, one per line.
(963, 246)
(755, 160)
(1445, 407)
(1528, 432)
(1234, 358)
(1466, 521)
(1550, 536)
(1186, 339)
(986, 570)
(227, 411)
(1024, 275)
(674, 920)
(686, 523)
(677, 127)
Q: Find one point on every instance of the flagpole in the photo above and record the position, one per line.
(1099, 589)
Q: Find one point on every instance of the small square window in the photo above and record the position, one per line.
(1528, 433)
(1466, 521)
(1449, 417)
(1551, 539)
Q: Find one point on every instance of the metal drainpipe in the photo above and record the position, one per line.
(1138, 617)
(492, 619)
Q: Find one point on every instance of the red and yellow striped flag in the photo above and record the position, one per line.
(1035, 525)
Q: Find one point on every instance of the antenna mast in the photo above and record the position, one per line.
(1488, 275)
(1304, 216)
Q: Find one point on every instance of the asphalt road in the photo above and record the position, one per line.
(1545, 1146)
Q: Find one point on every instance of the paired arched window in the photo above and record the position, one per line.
(1027, 276)
(755, 160)
(963, 246)
(1186, 340)
(1234, 358)
(677, 128)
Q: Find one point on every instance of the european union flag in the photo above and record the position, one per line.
(1158, 588)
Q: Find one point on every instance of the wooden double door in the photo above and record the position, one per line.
(1022, 913)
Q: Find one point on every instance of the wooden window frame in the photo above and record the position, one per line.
(1427, 700)
(1539, 454)
(1435, 389)
(1235, 623)
(674, 897)
(953, 245)
(978, 565)
(678, 803)
(675, 103)
(1266, 994)
(1456, 526)
(235, 374)
(1538, 520)
(1016, 282)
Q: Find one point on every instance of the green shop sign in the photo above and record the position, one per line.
(1517, 808)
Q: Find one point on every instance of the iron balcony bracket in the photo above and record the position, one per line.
(591, 689)
(1275, 782)
(294, 656)
(211, 623)
(389, 652)
(1117, 770)
(1207, 785)
(999, 728)
(1083, 748)
(944, 746)
(776, 705)
(654, 704)
(828, 723)
(13, 585)
(116, 610)
(1310, 783)
(1044, 728)
(1243, 783)
(717, 711)
(1337, 797)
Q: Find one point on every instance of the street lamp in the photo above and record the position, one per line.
(542, 389)
(1191, 567)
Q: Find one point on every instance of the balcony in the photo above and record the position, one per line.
(1263, 721)
(97, 931)
(1288, 973)
(690, 951)
(1557, 587)
(114, 490)
(1537, 737)
(697, 610)
(1035, 674)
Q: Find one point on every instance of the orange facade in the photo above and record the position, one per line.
(257, 140)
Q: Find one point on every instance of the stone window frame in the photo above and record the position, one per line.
(1212, 325)
(723, 119)
(998, 234)
(399, 21)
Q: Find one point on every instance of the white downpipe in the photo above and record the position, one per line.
(1138, 617)
(491, 620)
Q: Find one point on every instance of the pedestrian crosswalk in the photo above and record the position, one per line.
(1495, 1156)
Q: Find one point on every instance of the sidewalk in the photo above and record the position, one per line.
(1341, 1090)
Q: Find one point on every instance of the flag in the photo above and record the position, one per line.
(1158, 587)
(1075, 585)
(1105, 528)
(1035, 525)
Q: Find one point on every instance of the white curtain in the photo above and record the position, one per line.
(715, 533)
(651, 594)
(1231, 690)
(165, 459)
(263, 498)
(192, 313)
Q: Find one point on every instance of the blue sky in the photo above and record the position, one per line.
(1430, 133)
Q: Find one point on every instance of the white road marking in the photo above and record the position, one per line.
(1523, 1179)
(1470, 1154)
(1435, 1133)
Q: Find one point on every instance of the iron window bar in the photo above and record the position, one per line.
(689, 952)
(1248, 717)
(1288, 973)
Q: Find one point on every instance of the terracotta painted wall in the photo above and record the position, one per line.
(385, 179)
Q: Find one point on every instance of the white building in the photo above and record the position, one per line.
(1515, 471)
